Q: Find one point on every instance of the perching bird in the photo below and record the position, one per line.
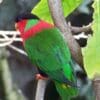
(46, 48)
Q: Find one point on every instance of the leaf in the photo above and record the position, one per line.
(92, 51)
(42, 9)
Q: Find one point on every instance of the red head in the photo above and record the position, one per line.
(29, 25)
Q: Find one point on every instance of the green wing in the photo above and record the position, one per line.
(50, 53)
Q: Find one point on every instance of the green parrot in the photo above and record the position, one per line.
(46, 48)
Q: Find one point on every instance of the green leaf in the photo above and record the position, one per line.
(42, 10)
(92, 51)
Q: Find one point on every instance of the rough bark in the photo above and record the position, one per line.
(59, 20)
(96, 86)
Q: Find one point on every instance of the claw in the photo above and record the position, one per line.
(39, 76)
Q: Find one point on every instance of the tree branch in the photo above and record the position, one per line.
(59, 20)
(40, 91)
(96, 86)
(76, 30)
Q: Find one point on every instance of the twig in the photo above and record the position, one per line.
(18, 50)
(41, 86)
(82, 35)
(59, 20)
(75, 29)
(9, 32)
(6, 40)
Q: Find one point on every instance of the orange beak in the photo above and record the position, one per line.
(16, 26)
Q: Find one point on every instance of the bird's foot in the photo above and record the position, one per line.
(39, 76)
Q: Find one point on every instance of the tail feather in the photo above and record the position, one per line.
(66, 92)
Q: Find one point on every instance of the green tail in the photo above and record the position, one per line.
(66, 92)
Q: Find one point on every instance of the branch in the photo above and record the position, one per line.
(9, 32)
(76, 30)
(59, 20)
(40, 91)
(96, 86)
(5, 40)
(17, 49)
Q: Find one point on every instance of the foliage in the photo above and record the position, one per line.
(92, 51)
(42, 9)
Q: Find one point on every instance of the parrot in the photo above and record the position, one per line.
(46, 48)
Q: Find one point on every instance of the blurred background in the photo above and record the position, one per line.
(20, 68)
